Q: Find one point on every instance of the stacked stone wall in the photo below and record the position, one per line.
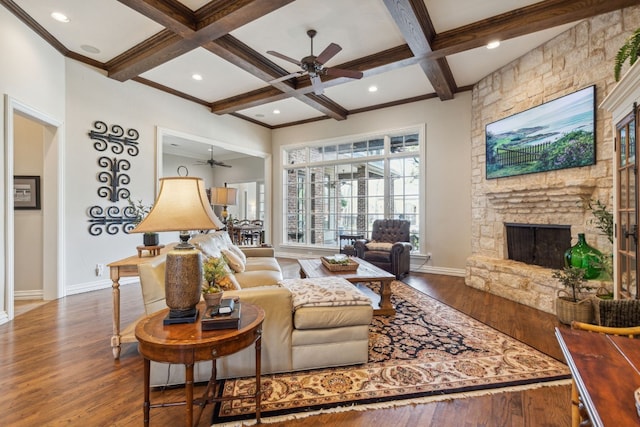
(581, 56)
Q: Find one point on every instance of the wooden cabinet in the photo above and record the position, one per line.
(623, 102)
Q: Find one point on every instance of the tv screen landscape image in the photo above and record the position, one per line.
(558, 134)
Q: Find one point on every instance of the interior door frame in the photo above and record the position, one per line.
(52, 205)
(161, 133)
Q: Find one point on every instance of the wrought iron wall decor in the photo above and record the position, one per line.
(113, 178)
(111, 220)
(102, 138)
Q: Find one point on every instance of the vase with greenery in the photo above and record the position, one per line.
(629, 50)
(569, 305)
(139, 211)
(603, 221)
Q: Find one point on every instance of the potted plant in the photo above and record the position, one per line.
(216, 280)
(629, 50)
(569, 306)
(139, 211)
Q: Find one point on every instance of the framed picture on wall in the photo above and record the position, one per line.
(558, 134)
(26, 192)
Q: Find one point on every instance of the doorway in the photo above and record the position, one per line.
(51, 204)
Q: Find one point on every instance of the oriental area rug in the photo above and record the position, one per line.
(428, 351)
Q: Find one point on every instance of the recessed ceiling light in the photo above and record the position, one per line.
(60, 17)
(196, 77)
(90, 49)
(493, 44)
(276, 111)
(373, 88)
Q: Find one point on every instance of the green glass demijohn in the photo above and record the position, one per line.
(581, 255)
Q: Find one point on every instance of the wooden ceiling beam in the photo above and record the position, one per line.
(414, 23)
(242, 56)
(171, 14)
(520, 22)
(376, 63)
(212, 21)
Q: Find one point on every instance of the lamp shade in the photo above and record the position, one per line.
(181, 205)
(224, 196)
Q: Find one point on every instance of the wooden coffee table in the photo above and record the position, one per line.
(366, 273)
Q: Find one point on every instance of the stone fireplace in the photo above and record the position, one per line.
(580, 56)
(490, 268)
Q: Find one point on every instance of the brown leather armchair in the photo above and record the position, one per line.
(389, 247)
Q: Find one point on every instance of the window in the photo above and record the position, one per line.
(341, 188)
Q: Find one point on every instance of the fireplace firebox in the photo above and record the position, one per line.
(538, 244)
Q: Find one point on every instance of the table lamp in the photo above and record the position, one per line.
(181, 205)
(224, 196)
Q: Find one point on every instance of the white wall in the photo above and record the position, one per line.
(447, 206)
(90, 97)
(32, 73)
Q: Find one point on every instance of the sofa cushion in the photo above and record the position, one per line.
(332, 317)
(379, 246)
(261, 263)
(377, 256)
(210, 244)
(233, 260)
(251, 279)
(233, 248)
(324, 291)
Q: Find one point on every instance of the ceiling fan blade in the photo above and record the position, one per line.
(340, 72)
(328, 53)
(317, 84)
(287, 77)
(285, 57)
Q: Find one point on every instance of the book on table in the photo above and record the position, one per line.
(213, 319)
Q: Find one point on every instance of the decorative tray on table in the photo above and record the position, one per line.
(334, 263)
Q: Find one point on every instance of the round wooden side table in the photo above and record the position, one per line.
(188, 344)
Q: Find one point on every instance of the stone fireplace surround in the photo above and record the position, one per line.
(488, 269)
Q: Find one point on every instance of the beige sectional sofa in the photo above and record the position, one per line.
(306, 326)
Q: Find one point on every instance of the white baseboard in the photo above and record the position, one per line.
(446, 271)
(28, 295)
(80, 288)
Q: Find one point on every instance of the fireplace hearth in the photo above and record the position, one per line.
(538, 244)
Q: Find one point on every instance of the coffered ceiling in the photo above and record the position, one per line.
(407, 49)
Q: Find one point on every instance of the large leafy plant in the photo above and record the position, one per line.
(629, 50)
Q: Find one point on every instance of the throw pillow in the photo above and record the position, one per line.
(236, 250)
(379, 246)
(229, 283)
(233, 260)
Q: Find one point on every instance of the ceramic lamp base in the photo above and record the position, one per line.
(183, 279)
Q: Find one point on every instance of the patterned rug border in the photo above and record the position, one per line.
(405, 399)
(393, 403)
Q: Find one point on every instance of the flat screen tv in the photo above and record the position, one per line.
(558, 134)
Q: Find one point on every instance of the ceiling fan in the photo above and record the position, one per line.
(314, 65)
(211, 162)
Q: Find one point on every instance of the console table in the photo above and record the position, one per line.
(606, 371)
(187, 344)
(126, 267)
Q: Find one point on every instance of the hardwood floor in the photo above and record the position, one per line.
(58, 369)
